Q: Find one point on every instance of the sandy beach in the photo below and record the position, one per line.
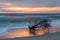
(53, 36)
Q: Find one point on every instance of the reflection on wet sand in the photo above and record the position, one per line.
(24, 32)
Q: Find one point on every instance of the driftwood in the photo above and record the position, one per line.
(44, 23)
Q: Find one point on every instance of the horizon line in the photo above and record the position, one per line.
(30, 13)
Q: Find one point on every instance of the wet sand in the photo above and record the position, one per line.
(52, 36)
(24, 32)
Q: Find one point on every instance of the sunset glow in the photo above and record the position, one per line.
(33, 10)
(29, 6)
(23, 33)
(16, 8)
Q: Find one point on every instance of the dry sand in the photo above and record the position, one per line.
(53, 36)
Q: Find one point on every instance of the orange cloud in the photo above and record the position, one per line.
(33, 10)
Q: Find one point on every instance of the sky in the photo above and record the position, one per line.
(29, 6)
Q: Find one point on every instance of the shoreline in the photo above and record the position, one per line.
(53, 36)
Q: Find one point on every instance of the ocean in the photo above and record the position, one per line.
(16, 21)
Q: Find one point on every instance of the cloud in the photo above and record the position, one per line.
(5, 4)
(31, 10)
(31, 6)
(34, 3)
